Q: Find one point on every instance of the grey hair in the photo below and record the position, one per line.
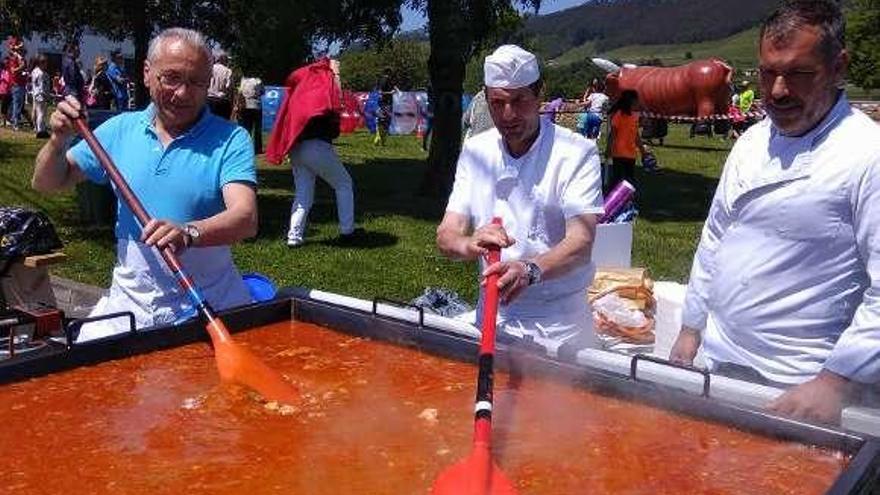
(192, 38)
(795, 14)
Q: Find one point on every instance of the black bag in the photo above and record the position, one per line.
(25, 232)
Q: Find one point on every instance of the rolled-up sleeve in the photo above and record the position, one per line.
(856, 355)
(459, 199)
(696, 301)
(238, 160)
(583, 192)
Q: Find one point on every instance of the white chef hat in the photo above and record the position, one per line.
(510, 67)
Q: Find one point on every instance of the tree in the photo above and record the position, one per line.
(407, 59)
(457, 30)
(265, 36)
(610, 24)
(272, 38)
(118, 20)
(863, 40)
(571, 80)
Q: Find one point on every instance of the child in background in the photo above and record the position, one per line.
(100, 90)
(5, 93)
(581, 122)
(40, 90)
(737, 121)
(386, 88)
(624, 142)
(596, 102)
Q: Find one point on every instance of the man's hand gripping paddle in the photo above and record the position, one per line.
(477, 474)
(235, 364)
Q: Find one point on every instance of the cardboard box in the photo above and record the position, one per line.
(613, 245)
(667, 319)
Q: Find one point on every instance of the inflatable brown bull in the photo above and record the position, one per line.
(700, 88)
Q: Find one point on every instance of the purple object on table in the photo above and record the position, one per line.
(617, 200)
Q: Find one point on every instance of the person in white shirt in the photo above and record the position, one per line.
(476, 118)
(250, 109)
(40, 91)
(220, 88)
(596, 103)
(544, 182)
(786, 279)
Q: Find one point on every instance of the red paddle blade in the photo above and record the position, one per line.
(238, 365)
(476, 474)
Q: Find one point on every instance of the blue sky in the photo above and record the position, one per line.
(414, 20)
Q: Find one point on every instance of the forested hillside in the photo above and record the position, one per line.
(741, 50)
(609, 24)
(644, 32)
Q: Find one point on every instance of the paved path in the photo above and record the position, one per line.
(74, 298)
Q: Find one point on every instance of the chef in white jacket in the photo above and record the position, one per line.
(787, 271)
(543, 181)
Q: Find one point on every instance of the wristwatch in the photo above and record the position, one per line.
(533, 271)
(192, 234)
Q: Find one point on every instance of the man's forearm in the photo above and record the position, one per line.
(574, 249)
(52, 170)
(225, 228)
(454, 244)
(564, 257)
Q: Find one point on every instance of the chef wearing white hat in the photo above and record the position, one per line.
(544, 182)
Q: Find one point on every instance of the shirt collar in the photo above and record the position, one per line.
(840, 109)
(148, 115)
(534, 146)
(790, 157)
(510, 166)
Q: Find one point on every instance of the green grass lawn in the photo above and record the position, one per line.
(398, 258)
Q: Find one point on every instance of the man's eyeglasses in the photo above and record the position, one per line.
(797, 77)
(173, 81)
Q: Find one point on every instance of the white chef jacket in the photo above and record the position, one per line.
(144, 285)
(788, 266)
(558, 178)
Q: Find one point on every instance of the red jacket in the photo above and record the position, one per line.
(311, 91)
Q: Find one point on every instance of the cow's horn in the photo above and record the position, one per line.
(606, 65)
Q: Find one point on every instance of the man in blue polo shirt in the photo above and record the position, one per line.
(194, 173)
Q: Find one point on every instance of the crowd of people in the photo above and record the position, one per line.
(30, 83)
(784, 283)
(29, 86)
